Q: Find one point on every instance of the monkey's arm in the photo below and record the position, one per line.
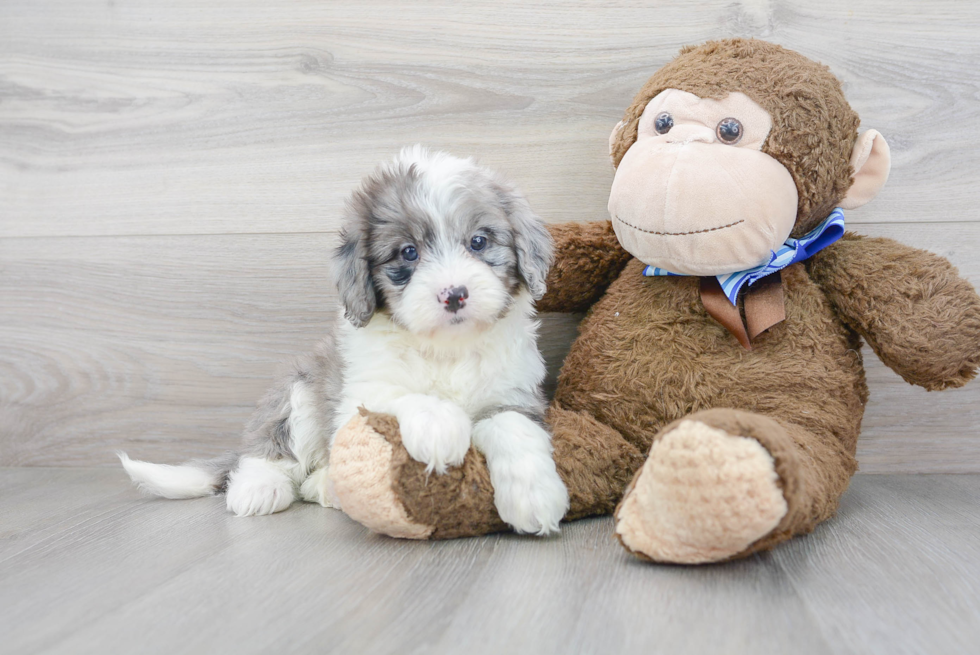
(920, 317)
(588, 258)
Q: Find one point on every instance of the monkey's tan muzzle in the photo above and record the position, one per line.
(700, 208)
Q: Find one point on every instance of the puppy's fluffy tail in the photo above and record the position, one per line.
(191, 480)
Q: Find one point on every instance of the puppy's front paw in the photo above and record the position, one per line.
(530, 497)
(258, 487)
(435, 432)
(528, 492)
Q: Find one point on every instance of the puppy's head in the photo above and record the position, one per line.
(439, 243)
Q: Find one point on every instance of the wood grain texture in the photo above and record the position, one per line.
(171, 177)
(86, 565)
(175, 118)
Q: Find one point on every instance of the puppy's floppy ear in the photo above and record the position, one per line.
(352, 270)
(533, 243)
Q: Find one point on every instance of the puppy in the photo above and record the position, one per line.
(439, 264)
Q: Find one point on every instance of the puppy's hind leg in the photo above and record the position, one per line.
(528, 492)
(260, 486)
(283, 443)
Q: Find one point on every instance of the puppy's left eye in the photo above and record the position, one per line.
(478, 242)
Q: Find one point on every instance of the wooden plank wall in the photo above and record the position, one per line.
(171, 175)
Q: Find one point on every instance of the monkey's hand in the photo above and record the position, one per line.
(920, 317)
(588, 258)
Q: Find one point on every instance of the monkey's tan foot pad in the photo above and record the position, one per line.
(702, 495)
(381, 487)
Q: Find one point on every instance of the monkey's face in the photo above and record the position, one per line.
(695, 194)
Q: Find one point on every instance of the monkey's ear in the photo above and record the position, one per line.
(614, 136)
(871, 161)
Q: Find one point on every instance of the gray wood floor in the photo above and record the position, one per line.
(88, 566)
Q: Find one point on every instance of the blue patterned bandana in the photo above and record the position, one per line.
(792, 251)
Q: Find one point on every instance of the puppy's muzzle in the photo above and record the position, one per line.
(454, 299)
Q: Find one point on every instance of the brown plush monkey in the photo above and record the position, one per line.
(712, 428)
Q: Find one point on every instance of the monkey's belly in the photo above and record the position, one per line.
(648, 353)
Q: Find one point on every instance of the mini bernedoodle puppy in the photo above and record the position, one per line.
(438, 268)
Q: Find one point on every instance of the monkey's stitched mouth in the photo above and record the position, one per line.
(678, 234)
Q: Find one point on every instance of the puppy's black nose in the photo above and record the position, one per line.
(454, 299)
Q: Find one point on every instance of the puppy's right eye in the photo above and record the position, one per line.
(410, 254)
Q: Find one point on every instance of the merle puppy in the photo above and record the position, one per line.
(438, 268)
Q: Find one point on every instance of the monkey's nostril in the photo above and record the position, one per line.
(454, 299)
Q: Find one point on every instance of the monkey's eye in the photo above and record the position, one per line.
(729, 131)
(410, 253)
(478, 242)
(663, 122)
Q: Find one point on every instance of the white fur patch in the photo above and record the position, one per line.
(441, 170)
(528, 492)
(318, 488)
(306, 434)
(435, 432)
(176, 482)
(475, 369)
(259, 487)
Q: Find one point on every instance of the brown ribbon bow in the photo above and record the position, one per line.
(764, 307)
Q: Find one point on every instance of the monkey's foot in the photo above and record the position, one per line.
(381, 487)
(703, 494)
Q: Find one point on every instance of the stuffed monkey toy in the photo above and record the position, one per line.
(714, 396)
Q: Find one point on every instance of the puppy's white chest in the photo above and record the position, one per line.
(462, 380)
(385, 362)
